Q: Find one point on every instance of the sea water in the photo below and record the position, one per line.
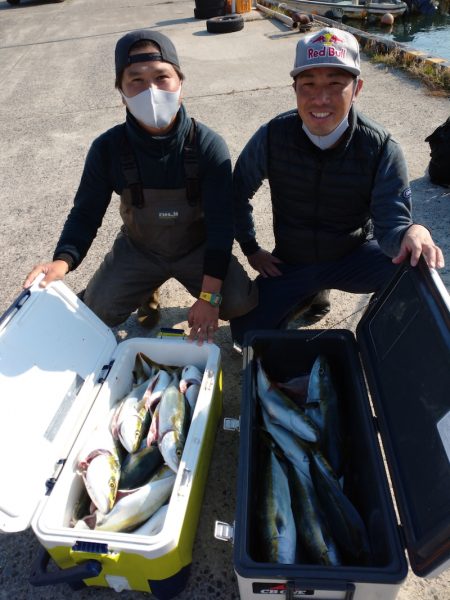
(427, 33)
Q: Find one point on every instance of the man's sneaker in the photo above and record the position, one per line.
(149, 314)
(314, 309)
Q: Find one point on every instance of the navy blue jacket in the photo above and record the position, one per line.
(324, 202)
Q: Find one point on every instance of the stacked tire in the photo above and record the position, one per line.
(206, 9)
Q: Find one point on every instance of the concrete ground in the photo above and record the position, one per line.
(57, 94)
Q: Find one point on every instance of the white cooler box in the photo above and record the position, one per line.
(403, 342)
(61, 371)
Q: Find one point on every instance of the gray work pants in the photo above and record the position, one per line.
(127, 278)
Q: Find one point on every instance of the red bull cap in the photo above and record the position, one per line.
(329, 47)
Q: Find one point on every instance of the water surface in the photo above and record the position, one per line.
(428, 33)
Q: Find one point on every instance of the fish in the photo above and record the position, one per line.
(190, 374)
(282, 410)
(191, 395)
(312, 526)
(101, 478)
(138, 467)
(81, 508)
(155, 389)
(276, 525)
(99, 465)
(136, 506)
(289, 444)
(322, 405)
(296, 388)
(131, 420)
(155, 366)
(152, 436)
(155, 524)
(142, 370)
(173, 425)
(345, 522)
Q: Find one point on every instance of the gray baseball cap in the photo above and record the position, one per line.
(329, 47)
(167, 51)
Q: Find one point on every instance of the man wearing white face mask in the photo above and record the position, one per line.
(339, 188)
(173, 176)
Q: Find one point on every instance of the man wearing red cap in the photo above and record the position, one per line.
(173, 176)
(339, 189)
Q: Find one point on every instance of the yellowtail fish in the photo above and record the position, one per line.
(282, 410)
(131, 420)
(155, 524)
(142, 370)
(312, 528)
(276, 524)
(322, 405)
(155, 389)
(190, 374)
(296, 388)
(138, 467)
(136, 506)
(99, 465)
(173, 425)
(344, 520)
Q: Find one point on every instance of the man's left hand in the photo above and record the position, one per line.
(416, 241)
(203, 319)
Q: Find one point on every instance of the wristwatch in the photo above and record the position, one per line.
(213, 298)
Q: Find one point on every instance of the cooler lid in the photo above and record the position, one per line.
(52, 349)
(404, 339)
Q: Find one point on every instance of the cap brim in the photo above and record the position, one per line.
(352, 70)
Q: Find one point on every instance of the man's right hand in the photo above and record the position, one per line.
(265, 263)
(53, 271)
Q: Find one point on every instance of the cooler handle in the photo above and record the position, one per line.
(15, 306)
(40, 577)
(348, 588)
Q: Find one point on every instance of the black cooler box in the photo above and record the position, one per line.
(401, 354)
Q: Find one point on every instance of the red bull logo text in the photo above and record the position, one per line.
(328, 51)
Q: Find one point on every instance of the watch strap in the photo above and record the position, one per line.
(213, 298)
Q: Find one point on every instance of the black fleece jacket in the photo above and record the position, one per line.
(161, 166)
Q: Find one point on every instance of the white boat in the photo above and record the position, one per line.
(351, 9)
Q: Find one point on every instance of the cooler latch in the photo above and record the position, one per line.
(105, 372)
(224, 531)
(50, 483)
(230, 424)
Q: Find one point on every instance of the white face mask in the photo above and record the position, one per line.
(326, 141)
(153, 107)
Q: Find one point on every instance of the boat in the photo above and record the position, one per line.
(350, 9)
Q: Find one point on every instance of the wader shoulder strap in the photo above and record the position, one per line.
(131, 172)
(190, 158)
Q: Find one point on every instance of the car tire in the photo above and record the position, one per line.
(13, 2)
(226, 24)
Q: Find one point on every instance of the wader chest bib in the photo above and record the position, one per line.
(168, 222)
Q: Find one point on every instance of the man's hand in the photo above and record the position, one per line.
(203, 319)
(416, 241)
(53, 271)
(265, 263)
